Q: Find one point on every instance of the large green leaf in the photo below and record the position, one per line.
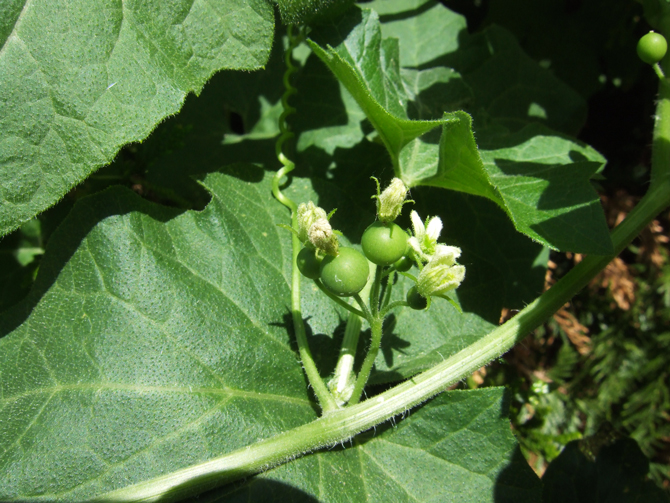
(459, 440)
(530, 188)
(79, 80)
(152, 340)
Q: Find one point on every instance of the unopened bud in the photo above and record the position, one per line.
(441, 274)
(391, 200)
(322, 237)
(307, 215)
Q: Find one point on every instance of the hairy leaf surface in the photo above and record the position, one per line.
(79, 80)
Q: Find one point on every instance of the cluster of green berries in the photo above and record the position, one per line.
(345, 271)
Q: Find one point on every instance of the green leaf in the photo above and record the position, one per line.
(430, 455)
(539, 178)
(160, 335)
(425, 31)
(368, 67)
(618, 475)
(510, 88)
(78, 81)
(310, 11)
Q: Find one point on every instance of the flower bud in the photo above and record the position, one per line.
(391, 200)
(321, 235)
(441, 274)
(307, 215)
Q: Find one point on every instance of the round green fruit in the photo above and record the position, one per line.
(416, 300)
(308, 263)
(403, 264)
(383, 244)
(652, 47)
(345, 274)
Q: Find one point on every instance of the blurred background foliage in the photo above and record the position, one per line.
(600, 368)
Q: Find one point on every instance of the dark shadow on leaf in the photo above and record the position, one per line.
(319, 92)
(343, 181)
(517, 482)
(257, 488)
(391, 341)
(66, 240)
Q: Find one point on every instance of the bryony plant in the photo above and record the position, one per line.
(165, 350)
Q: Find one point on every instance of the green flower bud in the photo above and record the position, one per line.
(441, 274)
(390, 202)
(307, 215)
(323, 238)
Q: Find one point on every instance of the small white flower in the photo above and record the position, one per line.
(424, 242)
(442, 273)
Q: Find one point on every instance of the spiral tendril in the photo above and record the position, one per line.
(285, 132)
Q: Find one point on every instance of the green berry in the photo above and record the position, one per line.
(383, 244)
(652, 47)
(345, 274)
(416, 300)
(403, 264)
(308, 263)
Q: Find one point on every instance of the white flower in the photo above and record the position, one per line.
(424, 242)
(441, 274)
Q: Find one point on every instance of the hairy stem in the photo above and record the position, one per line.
(325, 399)
(369, 361)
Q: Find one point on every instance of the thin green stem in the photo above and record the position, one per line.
(374, 291)
(338, 300)
(393, 305)
(387, 291)
(326, 400)
(366, 312)
(369, 361)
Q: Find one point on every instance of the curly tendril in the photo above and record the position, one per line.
(285, 132)
(323, 395)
